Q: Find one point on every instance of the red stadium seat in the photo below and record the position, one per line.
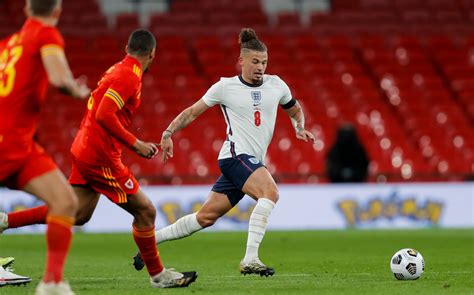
(400, 71)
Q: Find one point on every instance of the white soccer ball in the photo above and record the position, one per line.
(407, 264)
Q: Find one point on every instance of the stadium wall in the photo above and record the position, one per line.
(301, 207)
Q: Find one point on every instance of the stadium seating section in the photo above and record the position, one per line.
(401, 70)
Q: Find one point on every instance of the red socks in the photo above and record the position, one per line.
(58, 238)
(21, 218)
(145, 240)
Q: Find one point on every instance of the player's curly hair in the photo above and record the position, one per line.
(42, 7)
(248, 40)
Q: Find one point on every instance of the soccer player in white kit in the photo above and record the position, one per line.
(249, 103)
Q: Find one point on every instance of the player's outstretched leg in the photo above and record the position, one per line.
(8, 278)
(36, 215)
(183, 227)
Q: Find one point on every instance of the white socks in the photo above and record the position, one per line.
(188, 225)
(257, 226)
(183, 227)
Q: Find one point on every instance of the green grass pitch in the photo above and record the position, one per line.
(306, 262)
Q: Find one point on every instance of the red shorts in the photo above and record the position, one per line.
(116, 182)
(16, 172)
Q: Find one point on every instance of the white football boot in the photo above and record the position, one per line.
(255, 266)
(169, 278)
(7, 278)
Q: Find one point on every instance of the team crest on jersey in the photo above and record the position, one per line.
(256, 98)
(129, 184)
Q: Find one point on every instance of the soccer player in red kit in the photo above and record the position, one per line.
(97, 166)
(29, 59)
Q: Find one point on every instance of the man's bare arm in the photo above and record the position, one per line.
(297, 118)
(59, 73)
(181, 121)
(185, 118)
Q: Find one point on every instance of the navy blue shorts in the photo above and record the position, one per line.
(235, 172)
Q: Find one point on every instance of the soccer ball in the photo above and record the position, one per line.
(407, 264)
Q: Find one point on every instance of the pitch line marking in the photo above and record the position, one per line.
(276, 275)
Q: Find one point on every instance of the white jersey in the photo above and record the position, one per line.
(249, 111)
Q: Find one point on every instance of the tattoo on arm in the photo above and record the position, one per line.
(181, 121)
(297, 117)
(167, 134)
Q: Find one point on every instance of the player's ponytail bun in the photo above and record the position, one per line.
(248, 40)
(246, 35)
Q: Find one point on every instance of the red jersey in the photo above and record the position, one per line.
(23, 84)
(99, 139)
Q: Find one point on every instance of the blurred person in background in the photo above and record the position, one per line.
(347, 159)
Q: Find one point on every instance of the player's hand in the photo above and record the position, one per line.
(146, 150)
(166, 146)
(82, 92)
(77, 89)
(305, 135)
